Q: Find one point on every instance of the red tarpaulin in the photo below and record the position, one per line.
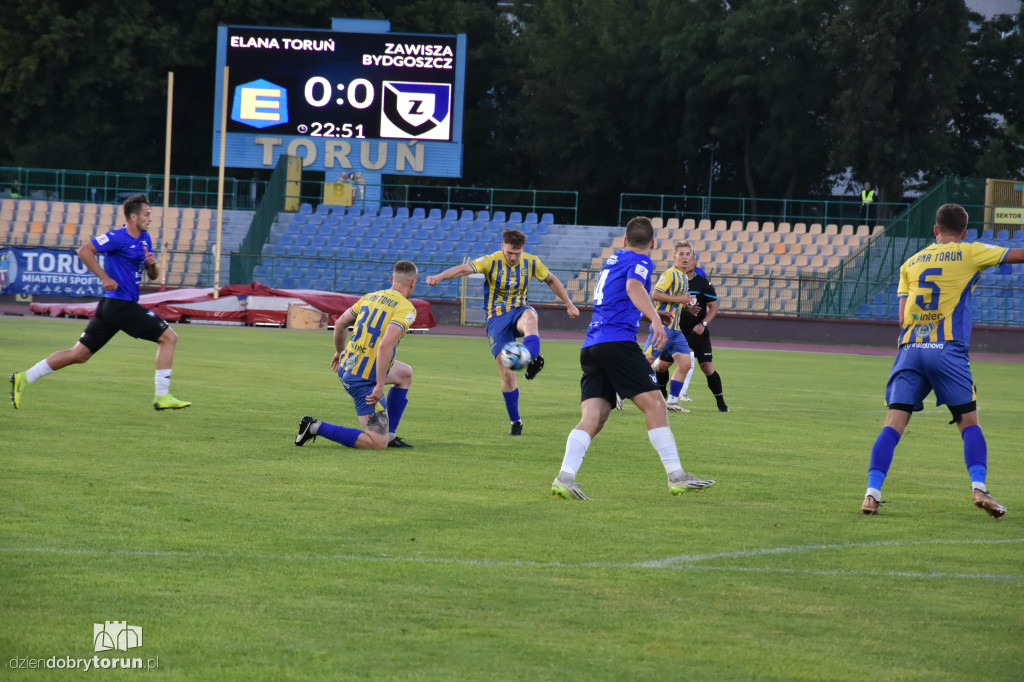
(252, 303)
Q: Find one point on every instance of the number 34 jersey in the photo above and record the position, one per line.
(937, 282)
(374, 312)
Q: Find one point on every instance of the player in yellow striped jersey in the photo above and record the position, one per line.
(507, 275)
(671, 294)
(935, 319)
(367, 361)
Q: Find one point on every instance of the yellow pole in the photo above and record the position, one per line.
(220, 182)
(167, 185)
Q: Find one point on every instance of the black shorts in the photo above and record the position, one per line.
(115, 315)
(700, 344)
(615, 367)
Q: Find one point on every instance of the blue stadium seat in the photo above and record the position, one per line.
(419, 213)
(435, 214)
(403, 212)
(499, 217)
(1003, 235)
(547, 219)
(531, 217)
(483, 217)
(972, 235)
(303, 240)
(287, 239)
(358, 230)
(987, 236)
(387, 212)
(467, 215)
(323, 209)
(451, 214)
(515, 217)
(333, 242)
(306, 208)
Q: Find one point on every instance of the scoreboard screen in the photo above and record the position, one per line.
(325, 87)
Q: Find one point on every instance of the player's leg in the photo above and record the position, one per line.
(904, 394)
(501, 330)
(528, 325)
(684, 395)
(658, 364)
(954, 387)
(597, 395)
(400, 378)
(678, 350)
(373, 418)
(660, 434)
(143, 324)
(96, 335)
(976, 458)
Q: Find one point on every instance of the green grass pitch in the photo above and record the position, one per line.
(243, 557)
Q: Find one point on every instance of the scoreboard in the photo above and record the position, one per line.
(375, 102)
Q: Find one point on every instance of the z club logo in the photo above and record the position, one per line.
(420, 110)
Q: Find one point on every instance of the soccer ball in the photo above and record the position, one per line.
(514, 355)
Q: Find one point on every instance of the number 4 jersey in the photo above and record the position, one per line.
(374, 312)
(937, 282)
(615, 316)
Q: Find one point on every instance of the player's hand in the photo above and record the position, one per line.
(666, 316)
(573, 311)
(109, 283)
(150, 258)
(335, 361)
(375, 395)
(699, 328)
(433, 280)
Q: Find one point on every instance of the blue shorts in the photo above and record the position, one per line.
(943, 367)
(676, 344)
(359, 388)
(501, 329)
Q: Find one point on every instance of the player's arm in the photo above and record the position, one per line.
(385, 351)
(451, 273)
(152, 267)
(87, 252)
(1014, 256)
(341, 334)
(712, 312)
(903, 305)
(562, 294)
(642, 300)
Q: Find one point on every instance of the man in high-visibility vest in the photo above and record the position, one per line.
(867, 197)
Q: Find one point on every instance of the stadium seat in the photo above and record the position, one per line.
(434, 214)
(531, 217)
(547, 219)
(986, 235)
(418, 213)
(306, 208)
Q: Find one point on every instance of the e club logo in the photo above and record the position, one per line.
(260, 104)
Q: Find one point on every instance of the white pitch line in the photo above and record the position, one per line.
(679, 563)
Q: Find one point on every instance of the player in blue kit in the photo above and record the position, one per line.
(507, 274)
(366, 362)
(935, 320)
(128, 251)
(613, 363)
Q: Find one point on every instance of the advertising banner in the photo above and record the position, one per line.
(47, 272)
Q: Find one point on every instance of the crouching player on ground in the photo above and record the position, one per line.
(367, 362)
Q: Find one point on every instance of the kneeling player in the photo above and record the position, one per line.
(367, 362)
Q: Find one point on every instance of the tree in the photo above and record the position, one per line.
(899, 64)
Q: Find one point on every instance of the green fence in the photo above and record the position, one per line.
(858, 278)
(825, 211)
(106, 187)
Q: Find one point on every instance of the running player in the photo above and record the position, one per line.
(128, 251)
(672, 296)
(613, 363)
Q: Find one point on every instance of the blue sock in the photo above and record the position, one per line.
(512, 403)
(532, 344)
(975, 453)
(675, 387)
(339, 434)
(397, 400)
(881, 456)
